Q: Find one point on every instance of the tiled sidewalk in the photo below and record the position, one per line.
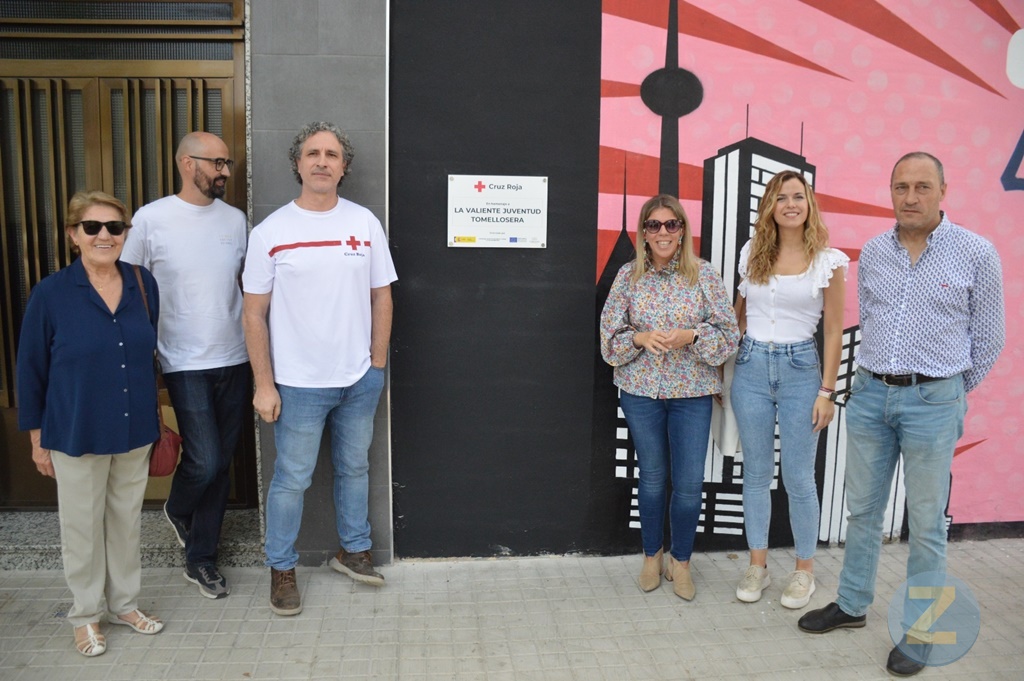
(552, 618)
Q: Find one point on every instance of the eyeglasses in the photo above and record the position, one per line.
(114, 227)
(671, 226)
(218, 163)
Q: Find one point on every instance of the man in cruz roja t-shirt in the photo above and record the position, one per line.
(317, 323)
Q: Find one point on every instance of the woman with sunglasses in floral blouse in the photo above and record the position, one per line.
(87, 396)
(666, 327)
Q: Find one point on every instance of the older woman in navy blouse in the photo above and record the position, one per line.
(87, 396)
(666, 327)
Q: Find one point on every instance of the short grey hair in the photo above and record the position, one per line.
(348, 152)
(921, 156)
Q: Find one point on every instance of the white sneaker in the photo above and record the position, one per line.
(754, 581)
(798, 591)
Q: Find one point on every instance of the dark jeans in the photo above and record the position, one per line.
(210, 407)
(671, 438)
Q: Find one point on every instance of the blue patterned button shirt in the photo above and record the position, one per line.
(939, 317)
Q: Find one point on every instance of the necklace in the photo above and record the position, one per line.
(96, 285)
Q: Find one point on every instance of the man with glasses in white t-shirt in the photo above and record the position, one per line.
(194, 244)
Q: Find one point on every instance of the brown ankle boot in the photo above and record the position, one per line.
(284, 592)
(650, 573)
(682, 582)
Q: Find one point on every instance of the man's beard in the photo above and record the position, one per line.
(208, 185)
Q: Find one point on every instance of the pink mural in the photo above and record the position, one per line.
(847, 86)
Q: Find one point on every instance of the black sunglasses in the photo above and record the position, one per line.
(218, 163)
(114, 227)
(671, 226)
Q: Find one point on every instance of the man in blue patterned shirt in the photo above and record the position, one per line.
(932, 323)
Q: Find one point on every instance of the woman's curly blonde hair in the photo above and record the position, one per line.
(764, 247)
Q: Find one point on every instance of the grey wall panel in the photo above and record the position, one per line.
(273, 183)
(353, 27)
(348, 90)
(322, 60)
(288, 27)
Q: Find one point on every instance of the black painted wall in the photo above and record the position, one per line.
(492, 362)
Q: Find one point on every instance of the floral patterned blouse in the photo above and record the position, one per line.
(663, 300)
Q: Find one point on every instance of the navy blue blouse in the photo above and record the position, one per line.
(85, 374)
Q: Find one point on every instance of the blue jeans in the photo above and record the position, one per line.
(924, 422)
(297, 434)
(774, 381)
(209, 405)
(671, 439)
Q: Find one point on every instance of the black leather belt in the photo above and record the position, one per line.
(903, 380)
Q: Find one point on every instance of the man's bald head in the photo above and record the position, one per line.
(199, 154)
(198, 144)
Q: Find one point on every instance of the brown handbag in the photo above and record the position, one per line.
(167, 449)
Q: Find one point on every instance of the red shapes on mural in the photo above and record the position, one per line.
(998, 14)
(876, 20)
(612, 88)
(643, 173)
(638, 175)
(963, 448)
(606, 239)
(834, 204)
(706, 26)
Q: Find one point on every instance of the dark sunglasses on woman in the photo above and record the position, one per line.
(114, 227)
(671, 226)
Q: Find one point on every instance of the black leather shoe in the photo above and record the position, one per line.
(899, 664)
(828, 618)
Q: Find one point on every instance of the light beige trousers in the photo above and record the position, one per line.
(100, 502)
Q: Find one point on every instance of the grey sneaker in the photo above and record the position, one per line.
(358, 566)
(798, 591)
(178, 525)
(210, 581)
(755, 580)
(284, 592)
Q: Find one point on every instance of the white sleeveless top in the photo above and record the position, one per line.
(788, 307)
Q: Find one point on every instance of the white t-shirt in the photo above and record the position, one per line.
(196, 254)
(788, 307)
(318, 268)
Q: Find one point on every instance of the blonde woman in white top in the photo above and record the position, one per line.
(788, 282)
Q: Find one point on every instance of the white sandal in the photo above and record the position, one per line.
(94, 642)
(143, 623)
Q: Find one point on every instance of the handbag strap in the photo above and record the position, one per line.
(149, 315)
(142, 287)
(156, 362)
